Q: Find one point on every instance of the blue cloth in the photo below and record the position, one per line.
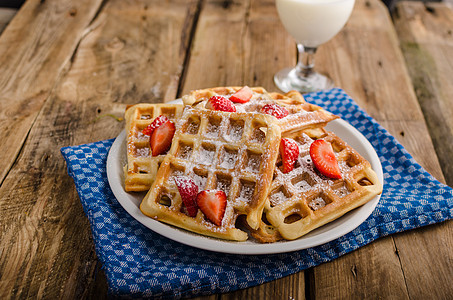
(141, 263)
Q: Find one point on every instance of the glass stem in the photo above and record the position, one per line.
(305, 60)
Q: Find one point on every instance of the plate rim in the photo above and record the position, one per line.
(355, 219)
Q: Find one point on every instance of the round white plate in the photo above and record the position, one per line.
(116, 160)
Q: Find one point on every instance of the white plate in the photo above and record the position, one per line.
(116, 160)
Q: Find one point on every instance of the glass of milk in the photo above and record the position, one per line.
(311, 23)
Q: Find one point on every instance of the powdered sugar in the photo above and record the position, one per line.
(317, 203)
(142, 152)
(277, 197)
(246, 191)
(229, 158)
(205, 156)
(235, 131)
(253, 162)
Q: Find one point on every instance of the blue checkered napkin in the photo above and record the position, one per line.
(141, 263)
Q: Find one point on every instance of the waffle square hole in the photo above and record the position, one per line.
(235, 130)
(252, 162)
(303, 182)
(337, 147)
(317, 202)
(164, 198)
(169, 112)
(192, 126)
(258, 133)
(305, 159)
(228, 158)
(340, 189)
(223, 183)
(200, 177)
(365, 181)
(279, 196)
(206, 154)
(246, 190)
(303, 139)
(140, 168)
(175, 171)
(184, 150)
(213, 127)
(352, 160)
(292, 218)
(142, 152)
(146, 114)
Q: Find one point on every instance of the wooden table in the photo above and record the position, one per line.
(69, 68)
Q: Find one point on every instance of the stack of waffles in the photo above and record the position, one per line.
(225, 171)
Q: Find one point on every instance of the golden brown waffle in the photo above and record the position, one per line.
(304, 199)
(141, 167)
(233, 152)
(302, 115)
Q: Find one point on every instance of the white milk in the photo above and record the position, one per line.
(314, 22)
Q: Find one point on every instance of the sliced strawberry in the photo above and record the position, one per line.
(289, 151)
(220, 103)
(275, 110)
(188, 191)
(212, 203)
(243, 95)
(156, 123)
(161, 138)
(324, 159)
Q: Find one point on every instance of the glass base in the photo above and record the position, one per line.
(287, 80)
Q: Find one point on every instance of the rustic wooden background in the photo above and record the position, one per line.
(69, 68)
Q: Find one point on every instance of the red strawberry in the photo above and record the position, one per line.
(220, 103)
(161, 138)
(188, 191)
(275, 110)
(243, 95)
(212, 203)
(289, 151)
(324, 159)
(156, 123)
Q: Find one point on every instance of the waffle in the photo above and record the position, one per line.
(233, 152)
(302, 115)
(303, 199)
(141, 168)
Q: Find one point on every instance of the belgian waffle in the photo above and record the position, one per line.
(233, 152)
(304, 199)
(141, 168)
(302, 115)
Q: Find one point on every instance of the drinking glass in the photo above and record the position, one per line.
(311, 23)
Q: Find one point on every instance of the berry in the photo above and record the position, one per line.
(188, 191)
(156, 123)
(212, 203)
(275, 110)
(289, 151)
(243, 95)
(324, 159)
(220, 103)
(161, 138)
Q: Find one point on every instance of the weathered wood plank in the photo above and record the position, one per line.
(426, 39)
(216, 58)
(291, 287)
(425, 33)
(375, 76)
(132, 51)
(6, 15)
(34, 49)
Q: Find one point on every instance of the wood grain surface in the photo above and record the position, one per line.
(6, 15)
(425, 32)
(69, 68)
